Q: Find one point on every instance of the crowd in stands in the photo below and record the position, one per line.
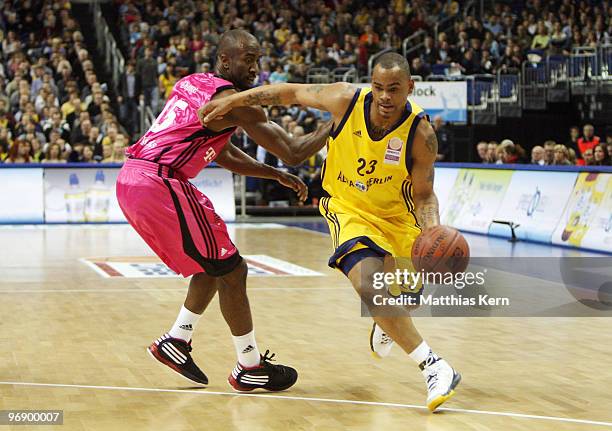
(167, 40)
(507, 36)
(581, 150)
(53, 109)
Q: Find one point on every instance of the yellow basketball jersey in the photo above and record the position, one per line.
(367, 175)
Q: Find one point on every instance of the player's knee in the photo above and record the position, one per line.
(236, 278)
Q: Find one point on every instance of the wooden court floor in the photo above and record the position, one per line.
(73, 340)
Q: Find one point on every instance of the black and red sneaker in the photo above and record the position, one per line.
(174, 353)
(265, 376)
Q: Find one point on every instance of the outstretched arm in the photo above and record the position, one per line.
(235, 160)
(334, 98)
(424, 152)
(230, 109)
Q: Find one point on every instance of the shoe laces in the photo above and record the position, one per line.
(432, 376)
(266, 357)
(385, 339)
(266, 360)
(432, 381)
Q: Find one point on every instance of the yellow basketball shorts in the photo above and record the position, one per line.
(352, 230)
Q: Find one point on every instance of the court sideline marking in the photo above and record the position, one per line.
(311, 399)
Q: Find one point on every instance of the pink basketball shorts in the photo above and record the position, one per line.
(175, 219)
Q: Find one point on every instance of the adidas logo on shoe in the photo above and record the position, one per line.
(248, 349)
(186, 327)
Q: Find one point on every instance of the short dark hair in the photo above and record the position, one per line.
(390, 60)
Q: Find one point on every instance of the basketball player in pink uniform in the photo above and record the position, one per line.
(180, 224)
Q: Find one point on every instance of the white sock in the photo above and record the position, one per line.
(423, 355)
(185, 324)
(246, 349)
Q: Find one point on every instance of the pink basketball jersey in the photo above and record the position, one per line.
(177, 138)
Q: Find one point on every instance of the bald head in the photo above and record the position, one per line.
(235, 40)
(238, 55)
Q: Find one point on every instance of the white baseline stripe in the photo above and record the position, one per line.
(313, 399)
(179, 289)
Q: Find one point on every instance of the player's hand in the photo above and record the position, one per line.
(215, 110)
(294, 183)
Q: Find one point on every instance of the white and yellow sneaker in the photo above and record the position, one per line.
(380, 343)
(441, 380)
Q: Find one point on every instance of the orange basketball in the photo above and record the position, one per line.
(440, 249)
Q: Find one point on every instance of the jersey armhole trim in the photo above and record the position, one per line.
(222, 88)
(335, 131)
(410, 140)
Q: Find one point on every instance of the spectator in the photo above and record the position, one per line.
(571, 156)
(166, 81)
(76, 155)
(279, 75)
(600, 156)
(419, 69)
(588, 140)
(538, 156)
(559, 41)
(511, 152)
(445, 140)
(588, 157)
(107, 153)
(54, 154)
(541, 39)
(492, 152)
(129, 93)
(36, 150)
(82, 132)
(574, 134)
(561, 156)
(88, 154)
(482, 150)
(147, 70)
(549, 150)
(430, 53)
(119, 147)
(19, 152)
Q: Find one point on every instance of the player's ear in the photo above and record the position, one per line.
(224, 61)
(410, 87)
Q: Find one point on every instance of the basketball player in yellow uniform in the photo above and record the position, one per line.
(379, 174)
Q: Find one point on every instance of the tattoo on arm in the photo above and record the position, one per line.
(264, 98)
(428, 213)
(316, 89)
(431, 176)
(432, 143)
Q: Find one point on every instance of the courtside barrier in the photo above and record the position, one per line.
(85, 193)
(563, 205)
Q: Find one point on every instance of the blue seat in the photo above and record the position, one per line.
(506, 84)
